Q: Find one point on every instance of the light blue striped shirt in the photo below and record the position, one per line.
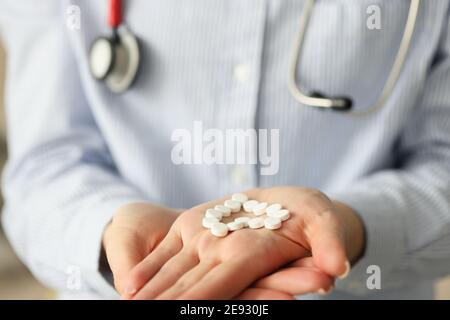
(78, 152)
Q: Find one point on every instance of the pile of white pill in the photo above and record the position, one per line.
(264, 215)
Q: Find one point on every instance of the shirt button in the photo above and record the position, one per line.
(239, 176)
(242, 72)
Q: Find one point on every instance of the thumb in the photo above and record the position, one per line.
(124, 250)
(328, 245)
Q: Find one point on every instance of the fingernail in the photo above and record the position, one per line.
(324, 292)
(346, 272)
(130, 290)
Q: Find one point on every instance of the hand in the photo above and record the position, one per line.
(308, 277)
(297, 278)
(190, 263)
(134, 232)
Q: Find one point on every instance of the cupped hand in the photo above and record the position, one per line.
(136, 230)
(190, 263)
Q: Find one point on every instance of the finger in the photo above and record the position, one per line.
(145, 270)
(168, 275)
(307, 262)
(296, 281)
(187, 281)
(124, 250)
(263, 294)
(225, 281)
(328, 245)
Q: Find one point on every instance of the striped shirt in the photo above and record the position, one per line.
(78, 152)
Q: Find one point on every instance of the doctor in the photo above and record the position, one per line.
(90, 184)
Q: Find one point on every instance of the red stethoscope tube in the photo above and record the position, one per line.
(115, 13)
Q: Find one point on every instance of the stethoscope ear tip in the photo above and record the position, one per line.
(339, 103)
(345, 104)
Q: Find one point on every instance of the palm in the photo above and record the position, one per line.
(272, 248)
(134, 232)
(192, 263)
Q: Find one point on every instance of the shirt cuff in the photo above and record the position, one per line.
(385, 236)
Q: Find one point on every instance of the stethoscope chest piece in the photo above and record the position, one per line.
(116, 60)
(101, 58)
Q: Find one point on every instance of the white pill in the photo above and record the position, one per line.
(233, 226)
(219, 229)
(243, 220)
(249, 205)
(223, 210)
(272, 223)
(239, 197)
(256, 223)
(233, 205)
(211, 213)
(283, 214)
(208, 222)
(260, 208)
(273, 208)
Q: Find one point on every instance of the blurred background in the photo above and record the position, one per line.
(16, 282)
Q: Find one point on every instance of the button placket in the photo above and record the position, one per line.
(246, 39)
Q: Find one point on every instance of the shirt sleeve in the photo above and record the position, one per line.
(405, 210)
(60, 184)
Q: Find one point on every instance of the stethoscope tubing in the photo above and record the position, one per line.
(115, 15)
(388, 87)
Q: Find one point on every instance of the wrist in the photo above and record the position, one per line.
(354, 231)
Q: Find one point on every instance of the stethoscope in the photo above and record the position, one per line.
(344, 103)
(116, 59)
